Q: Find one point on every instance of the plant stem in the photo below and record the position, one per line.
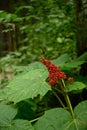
(59, 91)
(58, 98)
(34, 120)
(69, 105)
(68, 101)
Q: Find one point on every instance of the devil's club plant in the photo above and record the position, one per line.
(56, 76)
(37, 80)
(66, 118)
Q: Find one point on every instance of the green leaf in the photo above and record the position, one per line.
(60, 61)
(75, 86)
(81, 115)
(7, 122)
(60, 40)
(83, 57)
(36, 65)
(61, 119)
(55, 119)
(31, 66)
(2, 95)
(7, 113)
(20, 124)
(28, 85)
(74, 64)
(63, 61)
(77, 62)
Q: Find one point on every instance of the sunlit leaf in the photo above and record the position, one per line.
(28, 85)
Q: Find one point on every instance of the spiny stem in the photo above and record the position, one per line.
(58, 98)
(68, 101)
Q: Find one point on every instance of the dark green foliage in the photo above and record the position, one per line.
(26, 109)
(44, 31)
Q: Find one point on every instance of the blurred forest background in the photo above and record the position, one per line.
(30, 29)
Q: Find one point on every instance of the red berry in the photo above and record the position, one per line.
(54, 72)
(70, 79)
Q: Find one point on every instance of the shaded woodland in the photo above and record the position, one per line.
(43, 65)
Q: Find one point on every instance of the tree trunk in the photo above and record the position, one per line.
(81, 25)
(7, 39)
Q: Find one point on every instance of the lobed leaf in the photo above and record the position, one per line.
(61, 60)
(75, 86)
(7, 113)
(61, 119)
(74, 64)
(81, 115)
(55, 119)
(28, 85)
(7, 122)
(64, 62)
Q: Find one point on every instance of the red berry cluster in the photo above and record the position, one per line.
(54, 72)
